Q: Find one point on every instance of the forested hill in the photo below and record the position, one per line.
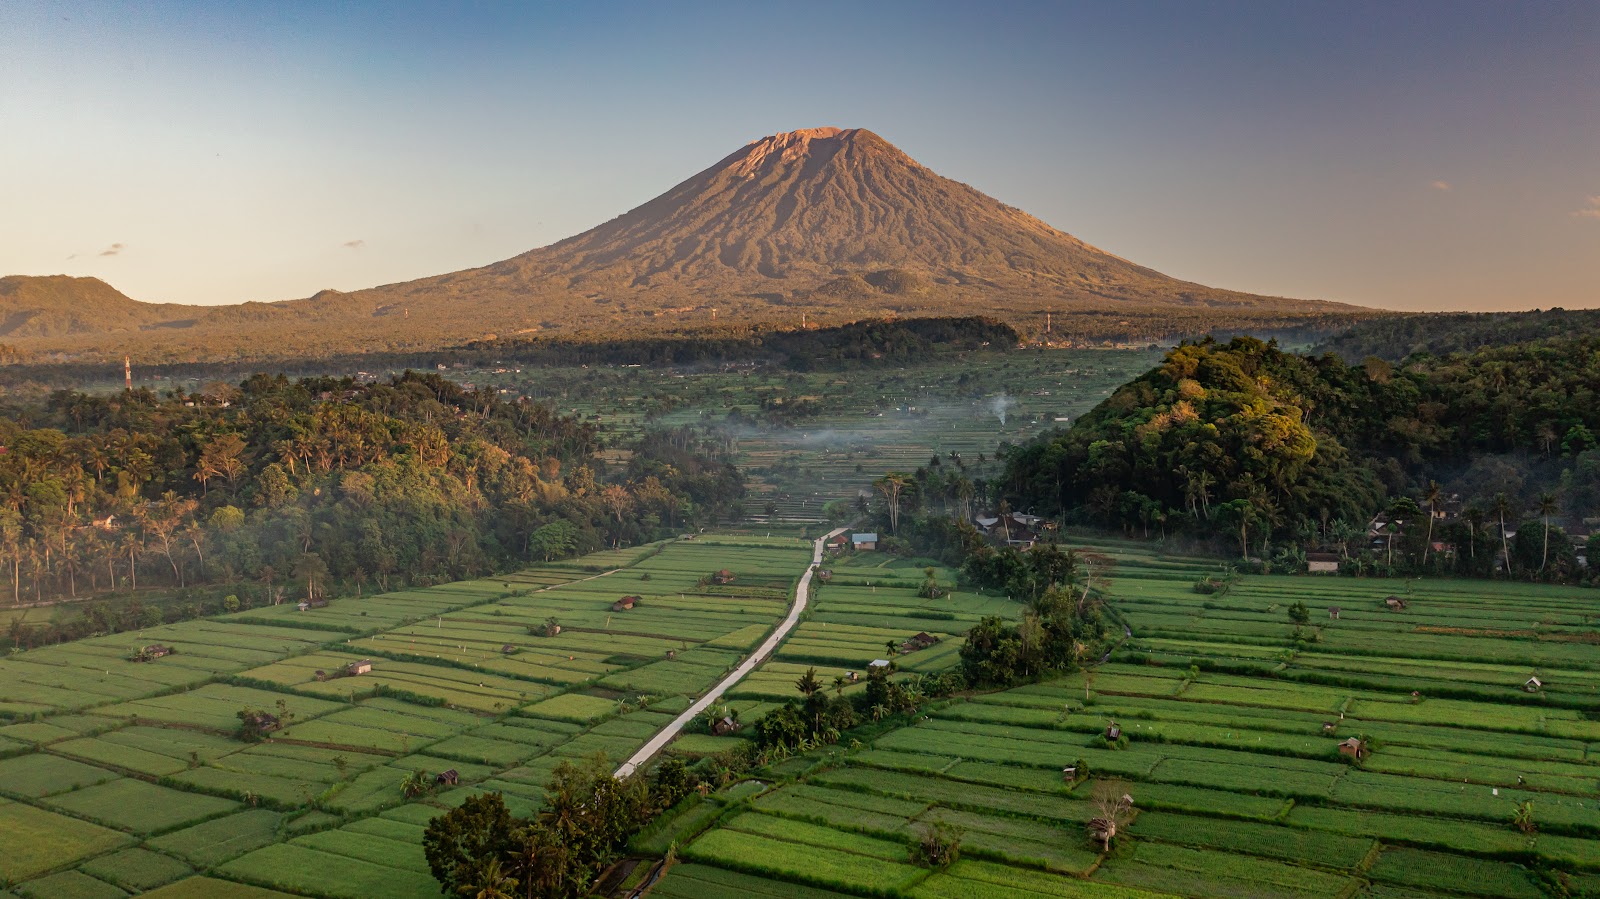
(284, 488)
(1244, 438)
(1398, 336)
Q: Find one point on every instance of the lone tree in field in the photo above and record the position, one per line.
(1113, 811)
(936, 845)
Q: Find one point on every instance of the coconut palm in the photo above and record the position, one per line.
(1502, 507)
(1547, 508)
(1431, 496)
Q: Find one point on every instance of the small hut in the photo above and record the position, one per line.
(447, 778)
(878, 663)
(1532, 685)
(625, 604)
(1395, 604)
(508, 649)
(1069, 773)
(1328, 727)
(725, 727)
(922, 640)
(1333, 612)
(1354, 748)
(1113, 732)
(825, 575)
(358, 668)
(550, 628)
(259, 721)
(723, 577)
(306, 605)
(672, 654)
(852, 676)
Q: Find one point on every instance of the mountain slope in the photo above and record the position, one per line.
(837, 224)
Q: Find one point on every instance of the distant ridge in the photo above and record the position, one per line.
(836, 224)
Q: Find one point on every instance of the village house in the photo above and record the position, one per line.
(864, 541)
(837, 542)
(1322, 563)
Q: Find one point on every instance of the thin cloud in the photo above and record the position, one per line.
(114, 249)
(1591, 209)
(1442, 185)
(354, 244)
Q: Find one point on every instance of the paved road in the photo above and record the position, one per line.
(801, 594)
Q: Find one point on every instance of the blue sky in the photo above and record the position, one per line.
(1405, 155)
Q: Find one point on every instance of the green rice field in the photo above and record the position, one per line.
(1232, 722)
(121, 777)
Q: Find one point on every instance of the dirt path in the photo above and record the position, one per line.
(801, 595)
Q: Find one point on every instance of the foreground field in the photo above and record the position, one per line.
(119, 777)
(1233, 722)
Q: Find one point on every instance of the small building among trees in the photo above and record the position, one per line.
(1322, 563)
(864, 541)
(922, 640)
(725, 726)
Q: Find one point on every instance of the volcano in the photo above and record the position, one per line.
(832, 224)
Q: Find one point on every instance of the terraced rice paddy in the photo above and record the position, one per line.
(121, 777)
(1232, 724)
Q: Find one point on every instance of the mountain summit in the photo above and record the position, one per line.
(834, 223)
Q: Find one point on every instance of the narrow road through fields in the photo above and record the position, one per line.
(801, 595)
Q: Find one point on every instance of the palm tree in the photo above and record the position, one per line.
(490, 881)
(1432, 497)
(1547, 508)
(1502, 508)
(808, 684)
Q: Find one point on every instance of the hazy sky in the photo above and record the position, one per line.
(1407, 155)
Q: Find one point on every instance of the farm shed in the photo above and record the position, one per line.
(723, 577)
(447, 778)
(1333, 612)
(1322, 563)
(625, 603)
(306, 605)
(1353, 748)
(922, 640)
(1533, 685)
(878, 663)
(1113, 732)
(725, 727)
(355, 668)
(508, 649)
(1395, 603)
(864, 541)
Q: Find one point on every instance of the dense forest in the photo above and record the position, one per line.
(1282, 452)
(1395, 337)
(286, 489)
